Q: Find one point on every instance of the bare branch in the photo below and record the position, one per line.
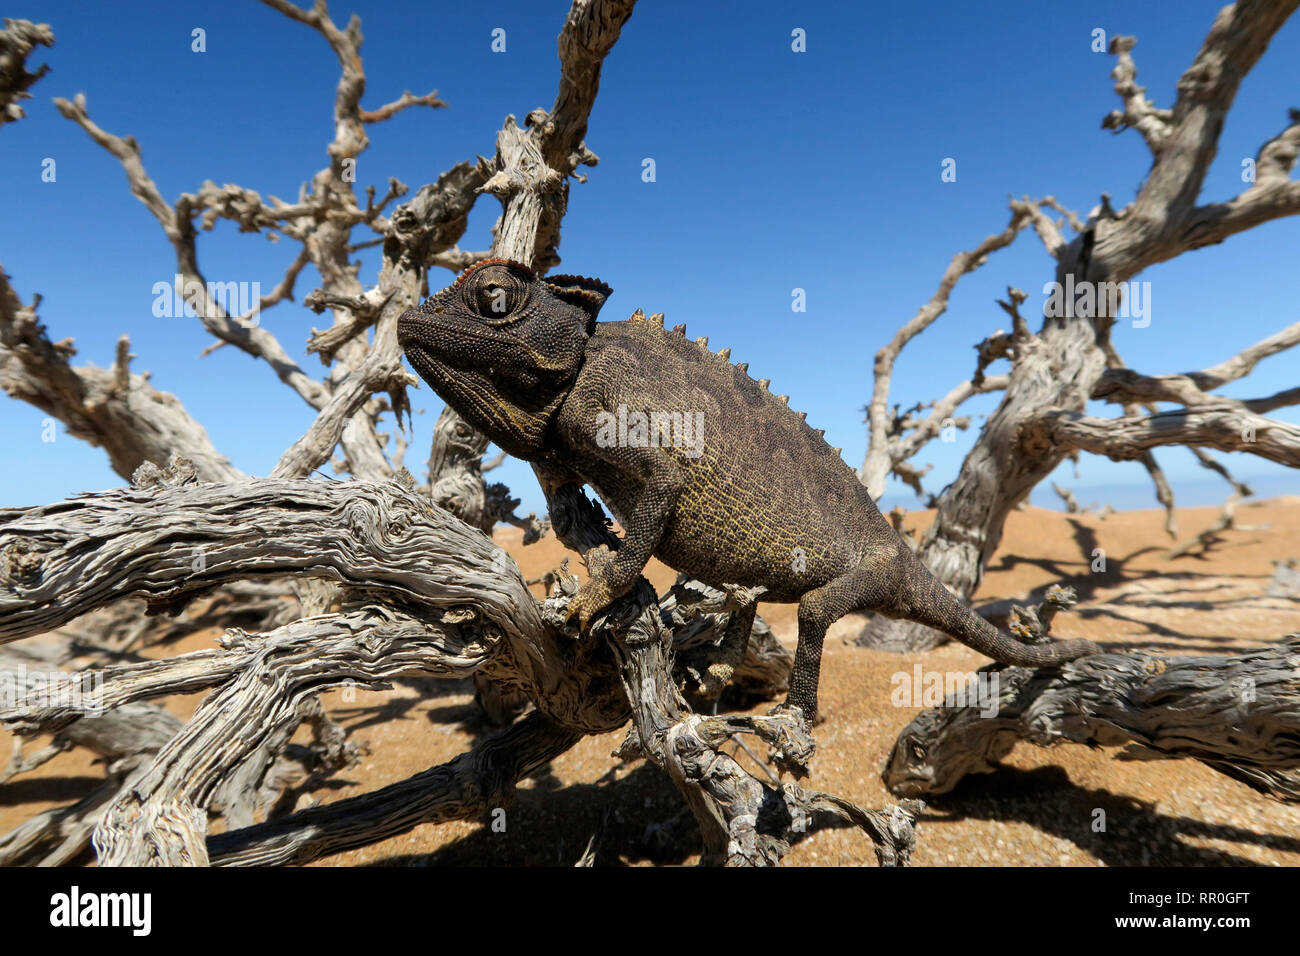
(169, 542)
(1282, 399)
(112, 409)
(429, 223)
(265, 698)
(1138, 112)
(405, 101)
(1244, 362)
(1121, 439)
(532, 164)
(284, 288)
(941, 416)
(17, 41)
(1070, 215)
(590, 31)
(363, 311)
(1206, 90)
(457, 260)
(1125, 386)
(350, 136)
(879, 458)
(1164, 493)
(1208, 461)
(245, 208)
(1273, 195)
(256, 341)
(1046, 230)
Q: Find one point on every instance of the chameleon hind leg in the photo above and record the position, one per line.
(818, 610)
(863, 587)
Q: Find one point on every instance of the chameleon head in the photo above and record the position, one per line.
(502, 347)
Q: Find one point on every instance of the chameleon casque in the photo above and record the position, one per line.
(736, 489)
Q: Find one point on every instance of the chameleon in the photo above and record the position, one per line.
(703, 467)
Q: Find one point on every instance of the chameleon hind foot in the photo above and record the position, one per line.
(786, 730)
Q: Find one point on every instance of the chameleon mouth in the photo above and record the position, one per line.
(412, 328)
(423, 363)
(436, 333)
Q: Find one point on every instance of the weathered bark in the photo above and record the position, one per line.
(126, 739)
(1239, 714)
(162, 820)
(123, 543)
(1223, 428)
(701, 621)
(170, 542)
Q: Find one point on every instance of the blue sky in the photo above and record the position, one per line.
(774, 170)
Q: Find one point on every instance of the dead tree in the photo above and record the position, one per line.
(387, 582)
(1071, 359)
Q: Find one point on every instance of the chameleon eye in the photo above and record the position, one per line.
(496, 294)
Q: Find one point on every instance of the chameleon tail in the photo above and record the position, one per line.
(923, 599)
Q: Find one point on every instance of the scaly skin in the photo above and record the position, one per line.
(757, 498)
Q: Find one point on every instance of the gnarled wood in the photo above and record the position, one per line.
(1239, 714)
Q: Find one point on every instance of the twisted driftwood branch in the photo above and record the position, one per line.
(162, 819)
(171, 542)
(175, 539)
(1239, 714)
